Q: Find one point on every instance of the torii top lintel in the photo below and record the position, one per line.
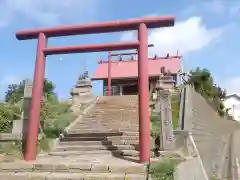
(93, 28)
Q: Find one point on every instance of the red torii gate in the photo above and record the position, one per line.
(141, 44)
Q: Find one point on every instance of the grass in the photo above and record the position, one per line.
(14, 150)
(44, 144)
(163, 170)
(10, 151)
(55, 117)
(52, 128)
(8, 113)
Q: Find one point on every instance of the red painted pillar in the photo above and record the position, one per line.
(109, 88)
(34, 116)
(144, 121)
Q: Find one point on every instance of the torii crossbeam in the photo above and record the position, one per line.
(141, 24)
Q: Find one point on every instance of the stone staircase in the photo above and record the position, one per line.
(111, 128)
(102, 145)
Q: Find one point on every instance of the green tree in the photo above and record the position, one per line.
(202, 81)
(48, 87)
(15, 91)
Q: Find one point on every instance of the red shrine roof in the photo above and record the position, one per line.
(129, 69)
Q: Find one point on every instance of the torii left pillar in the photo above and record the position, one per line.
(34, 122)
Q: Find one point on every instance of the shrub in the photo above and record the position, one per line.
(55, 117)
(8, 113)
(164, 170)
(155, 125)
(43, 144)
(54, 127)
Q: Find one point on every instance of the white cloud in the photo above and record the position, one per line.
(47, 12)
(186, 36)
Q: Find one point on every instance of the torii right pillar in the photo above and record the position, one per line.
(143, 84)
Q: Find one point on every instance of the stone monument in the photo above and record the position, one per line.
(164, 108)
(82, 93)
(20, 126)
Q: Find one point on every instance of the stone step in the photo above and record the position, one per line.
(120, 142)
(132, 106)
(92, 133)
(120, 122)
(102, 121)
(111, 114)
(79, 167)
(105, 111)
(124, 103)
(117, 138)
(94, 125)
(116, 100)
(110, 111)
(116, 153)
(124, 109)
(95, 147)
(105, 128)
(109, 125)
(70, 176)
(97, 133)
(113, 119)
(110, 107)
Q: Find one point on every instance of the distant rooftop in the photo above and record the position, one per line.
(129, 68)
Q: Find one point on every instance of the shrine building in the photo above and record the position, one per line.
(124, 73)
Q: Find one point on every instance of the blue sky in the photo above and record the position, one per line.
(206, 35)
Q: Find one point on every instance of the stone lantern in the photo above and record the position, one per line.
(82, 93)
